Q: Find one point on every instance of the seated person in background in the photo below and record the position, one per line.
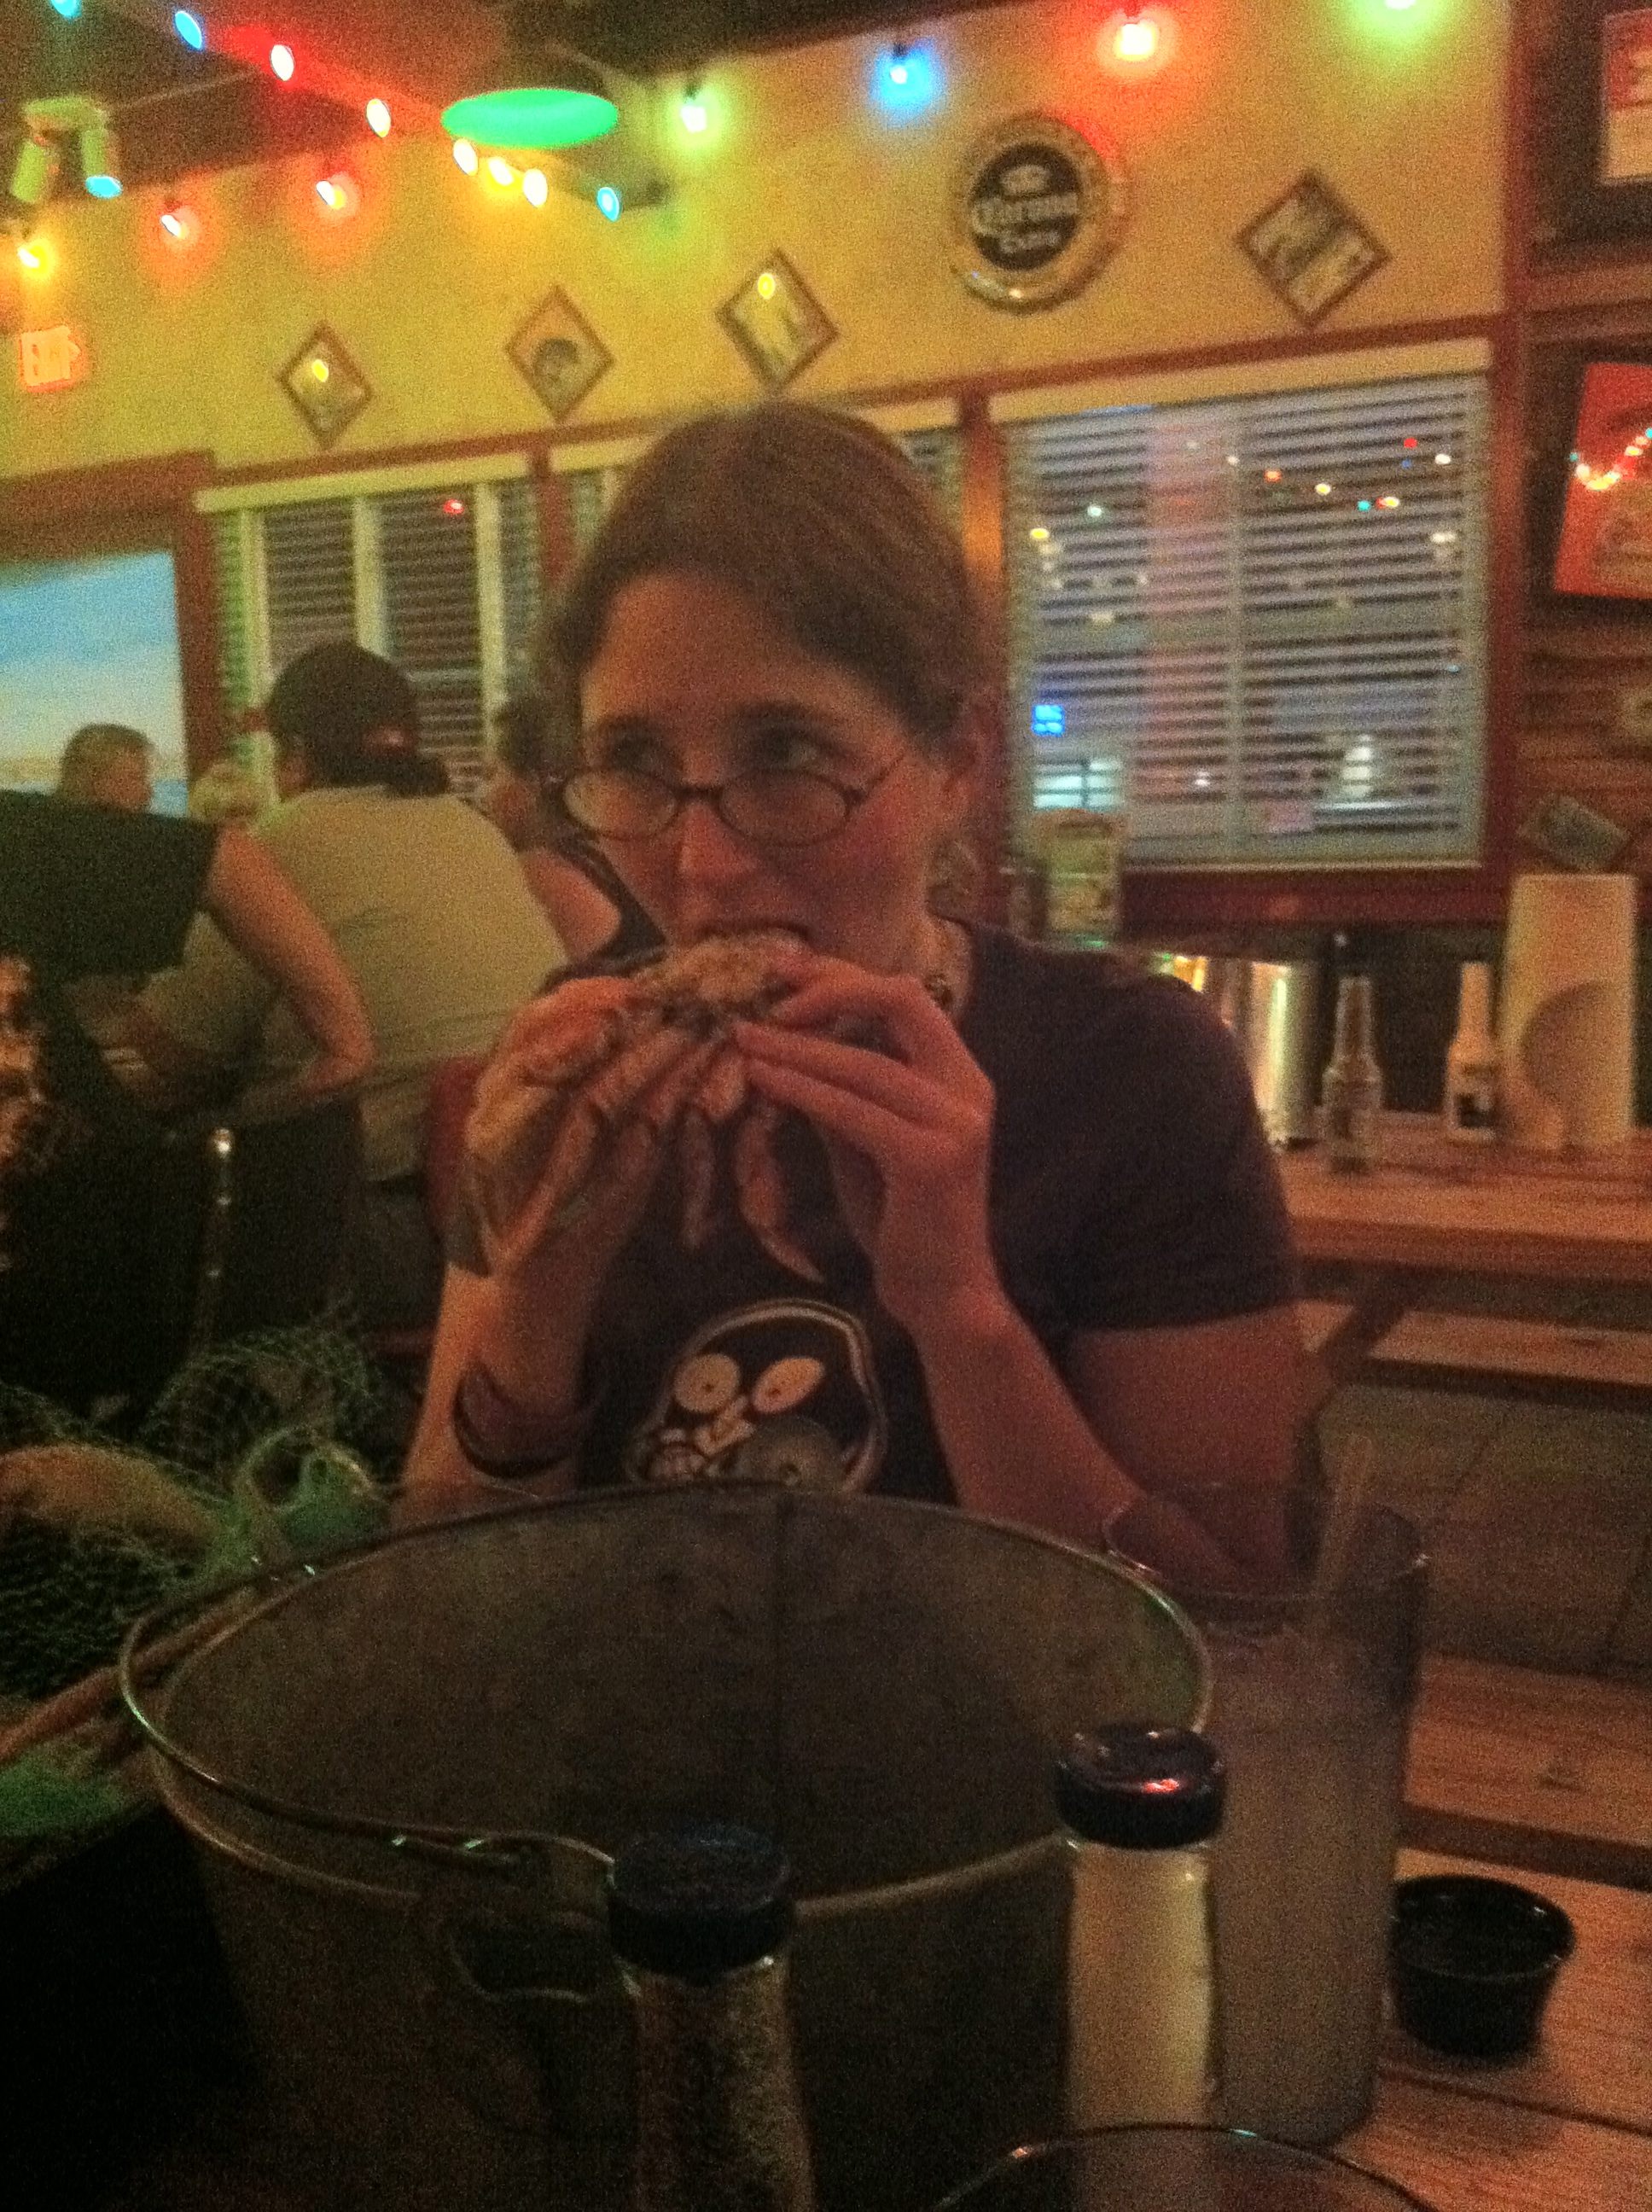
(590, 907)
(86, 890)
(987, 1222)
(107, 764)
(430, 912)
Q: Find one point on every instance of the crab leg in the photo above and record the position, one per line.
(699, 1157)
(724, 1091)
(521, 1092)
(619, 1088)
(761, 1194)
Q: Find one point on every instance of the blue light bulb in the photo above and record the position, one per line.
(67, 9)
(190, 28)
(906, 80)
(608, 202)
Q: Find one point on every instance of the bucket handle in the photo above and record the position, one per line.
(147, 1653)
(536, 1955)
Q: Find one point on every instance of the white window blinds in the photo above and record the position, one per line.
(1257, 623)
(441, 578)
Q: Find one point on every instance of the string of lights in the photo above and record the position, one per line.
(540, 100)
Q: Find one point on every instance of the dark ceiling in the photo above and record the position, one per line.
(174, 111)
(644, 36)
(178, 111)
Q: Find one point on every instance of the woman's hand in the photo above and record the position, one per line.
(567, 1138)
(908, 1129)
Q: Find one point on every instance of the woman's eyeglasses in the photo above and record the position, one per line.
(769, 805)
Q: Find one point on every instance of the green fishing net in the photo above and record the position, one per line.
(269, 1448)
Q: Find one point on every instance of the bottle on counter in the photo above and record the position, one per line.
(1473, 1066)
(1025, 893)
(1139, 1806)
(1350, 1089)
(699, 1918)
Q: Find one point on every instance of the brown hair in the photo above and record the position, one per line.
(823, 525)
(529, 738)
(91, 749)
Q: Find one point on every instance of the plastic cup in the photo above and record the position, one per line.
(1313, 1695)
(1175, 2169)
(1471, 1961)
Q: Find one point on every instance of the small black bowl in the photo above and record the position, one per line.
(1471, 1961)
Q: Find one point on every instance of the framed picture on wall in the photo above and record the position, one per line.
(1604, 548)
(559, 354)
(1603, 75)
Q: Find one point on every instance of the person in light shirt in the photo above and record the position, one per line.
(429, 911)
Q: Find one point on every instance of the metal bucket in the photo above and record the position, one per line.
(407, 1767)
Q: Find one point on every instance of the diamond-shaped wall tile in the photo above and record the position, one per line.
(326, 386)
(776, 321)
(559, 354)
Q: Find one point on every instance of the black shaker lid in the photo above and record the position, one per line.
(1142, 1788)
(699, 1900)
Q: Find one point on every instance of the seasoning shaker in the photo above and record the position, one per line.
(699, 1918)
(1139, 1806)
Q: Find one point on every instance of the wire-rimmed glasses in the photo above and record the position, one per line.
(768, 806)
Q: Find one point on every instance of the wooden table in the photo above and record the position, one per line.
(1549, 1773)
(1436, 1207)
(1431, 1209)
(1567, 2128)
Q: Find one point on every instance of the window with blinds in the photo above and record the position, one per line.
(444, 581)
(1256, 624)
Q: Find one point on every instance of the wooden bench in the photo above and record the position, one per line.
(1552, 1772)
(1321, 1322)
(1555, 1360)
(1560, 1361)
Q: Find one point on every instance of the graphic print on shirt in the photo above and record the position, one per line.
(787, 1360)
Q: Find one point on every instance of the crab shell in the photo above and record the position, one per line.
(719, 980)
(631, 1060)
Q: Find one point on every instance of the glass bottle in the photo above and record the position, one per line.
(1350, 1089)
(1474, 1067)
(699, 1918)
(1022, 881)
(1140, 1805)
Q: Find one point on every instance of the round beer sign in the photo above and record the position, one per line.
(1036, 209)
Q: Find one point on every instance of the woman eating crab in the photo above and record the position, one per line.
(839, 1187)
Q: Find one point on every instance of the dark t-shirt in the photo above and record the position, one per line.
(83, 891)
(94, 890)
(1132, 1187)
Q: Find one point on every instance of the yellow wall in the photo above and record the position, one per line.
(1401, 111)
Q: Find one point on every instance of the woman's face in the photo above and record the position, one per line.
(693, 684)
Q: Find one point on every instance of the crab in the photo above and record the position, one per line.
(657, 1046)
